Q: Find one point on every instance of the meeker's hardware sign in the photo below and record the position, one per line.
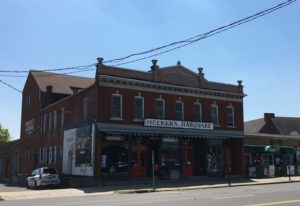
(178, 124)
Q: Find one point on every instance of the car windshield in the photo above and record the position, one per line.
(49, 171)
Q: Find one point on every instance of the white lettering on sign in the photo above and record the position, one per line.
(178, 124)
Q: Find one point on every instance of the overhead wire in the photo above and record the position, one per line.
(10, 86)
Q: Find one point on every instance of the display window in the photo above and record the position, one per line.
(114, 159)
(214, 156)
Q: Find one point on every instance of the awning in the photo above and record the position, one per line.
(288, 150)
(140, 130)
(260, 149)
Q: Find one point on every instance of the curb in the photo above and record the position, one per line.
(134, 191)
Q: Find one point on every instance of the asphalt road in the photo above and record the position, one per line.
(260, 195)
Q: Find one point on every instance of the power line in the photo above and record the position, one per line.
(10, 86)
(200, 36)
(181, 43)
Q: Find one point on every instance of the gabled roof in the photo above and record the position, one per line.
(174, 75)
(284, 125)
(61, 83)
(254, 126)
(287, 125)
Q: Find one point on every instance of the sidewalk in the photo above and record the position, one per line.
(143, 186)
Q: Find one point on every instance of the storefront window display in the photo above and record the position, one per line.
(114, 159)
(214, 156)
(170, 165)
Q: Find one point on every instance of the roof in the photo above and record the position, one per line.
(254, 126)
(285, 125)
(174, 75)
(61, 83)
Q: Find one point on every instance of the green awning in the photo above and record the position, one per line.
(287, 150)
(260, 149)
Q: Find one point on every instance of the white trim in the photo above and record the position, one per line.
(198, 103)
(275, 136)
(182, 110)
(121, 107)
(233, 122)
(169, 89)
(217, 113)
(163, 101)
(143, 108)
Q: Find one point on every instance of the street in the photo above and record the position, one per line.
(258, 195)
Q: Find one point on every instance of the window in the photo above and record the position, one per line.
(54, 154)
(85, 108)
(26, 153)
(138, 108)
(230, 116)
(45, 123)
(50, 122)
(159, 109)
(54, 119)
(62, 117)
(214, 114)
(28, 100)
(45, 155)
(42, 122)
(197, 112)
(116, 106)
(179, 110)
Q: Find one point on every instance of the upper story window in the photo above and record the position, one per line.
(50, 122)
(138, 108)
(28, 100)
(230, 116)
(116, 106)
(159, 109)
(197, 111)
(54, 119)
(214, 114)
(62, 118)
(85, 108)
(179, 110)
(45, 123)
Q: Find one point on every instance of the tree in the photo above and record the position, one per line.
(4, 134)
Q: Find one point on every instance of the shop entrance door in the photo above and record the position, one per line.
(139, 160)
(188, 160)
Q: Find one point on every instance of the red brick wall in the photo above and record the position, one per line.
(104, 104)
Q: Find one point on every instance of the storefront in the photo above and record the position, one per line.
(126, 151)
(269, 160)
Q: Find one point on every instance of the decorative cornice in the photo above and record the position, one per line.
(126, 83)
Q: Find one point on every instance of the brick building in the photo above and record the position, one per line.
(272, 142)
(109, 127)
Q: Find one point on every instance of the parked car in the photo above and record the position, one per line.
(43, 177)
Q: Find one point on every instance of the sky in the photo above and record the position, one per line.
(264, 53)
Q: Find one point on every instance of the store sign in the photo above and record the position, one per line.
(178, 124)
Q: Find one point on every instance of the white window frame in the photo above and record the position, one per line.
(121, 107)
(50, 122)
(200, 111)
(182, 110)
(163, 103)
(134, 109)
(45, 123)
(217, 114)
(232, 109)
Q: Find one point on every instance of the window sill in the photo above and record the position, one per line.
(117, 118)
(138, 120)
(232, 127)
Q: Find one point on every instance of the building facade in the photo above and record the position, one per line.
(272, 146)
(125, 124)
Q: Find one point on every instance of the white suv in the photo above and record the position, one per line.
(44, 176)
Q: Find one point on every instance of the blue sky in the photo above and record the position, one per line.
(264, 53)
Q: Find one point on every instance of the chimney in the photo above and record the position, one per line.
(268, 116)
(240, 85)
(154, 66)
(99, 66)
(201, 76)
(49, 95)
(178, 63)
